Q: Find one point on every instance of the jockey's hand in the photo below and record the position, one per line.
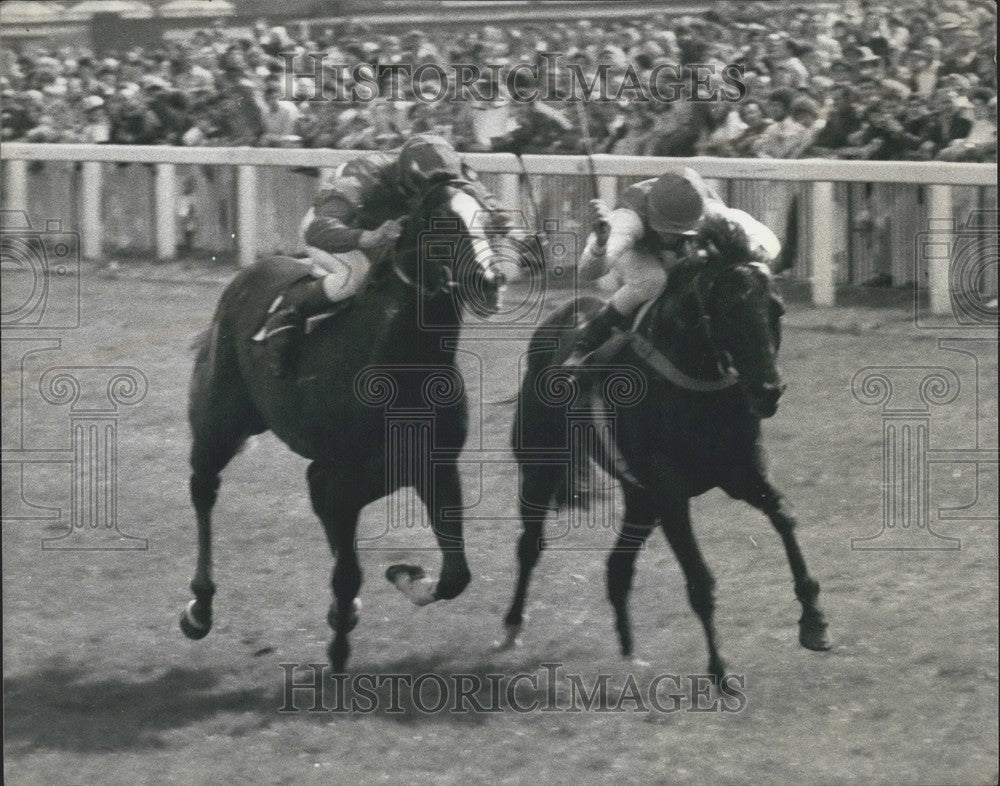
(387, 234)
(600, 222)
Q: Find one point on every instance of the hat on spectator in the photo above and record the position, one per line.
(93, 102)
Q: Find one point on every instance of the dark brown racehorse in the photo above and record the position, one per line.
(393, 348)
(698, 378)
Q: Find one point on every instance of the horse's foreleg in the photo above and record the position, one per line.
(636, 526)
(340, 520)
(196, 621)
(442, 494)
(537, 487)
(676, 522)
(812, 624)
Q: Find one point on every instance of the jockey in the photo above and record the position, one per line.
(646, 236)
(353, 224)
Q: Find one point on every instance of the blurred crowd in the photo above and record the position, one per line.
(915, 80)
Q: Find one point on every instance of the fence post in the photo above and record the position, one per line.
(164, 201)
(16, 188)
(246, 214)
(607, 190)
(91, 198)
(821, 243)
(940, 221)
(509, 186)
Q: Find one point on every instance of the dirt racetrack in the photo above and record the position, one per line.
(100, 686)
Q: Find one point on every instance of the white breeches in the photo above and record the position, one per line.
(343, 274)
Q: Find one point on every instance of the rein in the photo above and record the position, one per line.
(665, 367)
(417, 204)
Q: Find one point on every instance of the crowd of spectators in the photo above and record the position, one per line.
(915, 81)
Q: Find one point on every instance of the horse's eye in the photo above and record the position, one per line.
(469, 173)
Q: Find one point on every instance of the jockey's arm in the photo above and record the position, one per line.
(762, 242)
(330, 228)
(626, 231)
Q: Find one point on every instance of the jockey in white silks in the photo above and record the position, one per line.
(644, 237)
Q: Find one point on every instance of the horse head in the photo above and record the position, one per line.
(721, 307)
(447, 243)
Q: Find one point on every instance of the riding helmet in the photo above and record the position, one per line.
(427, 159)
(674, 205)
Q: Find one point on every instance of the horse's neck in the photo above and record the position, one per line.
(418, 332)
(687, 347)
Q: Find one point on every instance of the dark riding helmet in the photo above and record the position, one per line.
(674, 205)
(425, 160)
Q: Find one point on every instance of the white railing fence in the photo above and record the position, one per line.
(855, 218)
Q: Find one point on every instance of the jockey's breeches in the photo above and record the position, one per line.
(342, 274)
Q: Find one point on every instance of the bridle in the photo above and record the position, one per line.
(704, 283)
(702, 288)
(418, 204)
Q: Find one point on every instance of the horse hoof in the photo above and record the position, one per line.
(191, 627)
(413, 582)
(411, 572)
(814, 638)
(510, 640)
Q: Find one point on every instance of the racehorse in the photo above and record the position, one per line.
(703, 372)
(394, 348)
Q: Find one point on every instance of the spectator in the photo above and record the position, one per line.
(280, 119)
(916, 68)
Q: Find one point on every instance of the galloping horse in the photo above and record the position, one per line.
(705, 352)
(394, 347)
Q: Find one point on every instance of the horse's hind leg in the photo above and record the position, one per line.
(222, 417)
(812, 624)
(340, 521)
(676, 522)
(209, 455)
(538, 484)
(637, 524)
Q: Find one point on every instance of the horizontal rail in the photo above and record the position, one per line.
(797, 170)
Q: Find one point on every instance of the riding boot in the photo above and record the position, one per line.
(286, 321)
(595, 332)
